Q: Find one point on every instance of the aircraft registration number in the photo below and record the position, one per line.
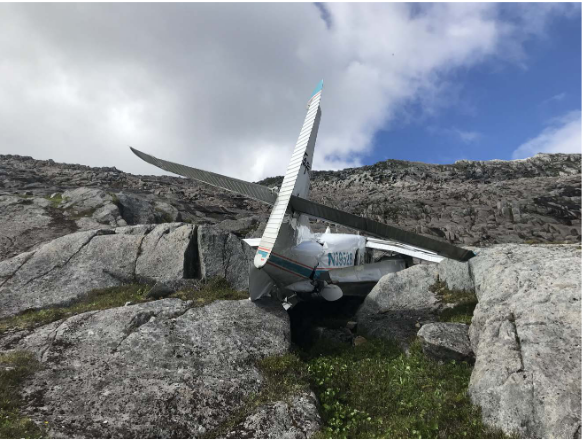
(340, 259)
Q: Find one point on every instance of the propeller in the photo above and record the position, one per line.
(331, 292)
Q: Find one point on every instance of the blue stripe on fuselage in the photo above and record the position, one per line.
(289, 265)
(294, 267)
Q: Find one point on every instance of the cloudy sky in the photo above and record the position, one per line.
(223, 87)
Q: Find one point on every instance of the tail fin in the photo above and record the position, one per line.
(297, 178)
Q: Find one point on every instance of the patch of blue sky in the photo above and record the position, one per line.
(494, 107)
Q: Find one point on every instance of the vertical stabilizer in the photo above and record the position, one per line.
(297, 178)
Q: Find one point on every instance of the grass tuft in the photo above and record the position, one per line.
(99, 299)
(15, 367)
(212, 290)
(464, 300)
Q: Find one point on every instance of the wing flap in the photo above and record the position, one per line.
(404, 249)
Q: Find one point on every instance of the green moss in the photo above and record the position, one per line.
(15, 367)
(464, 302)
(55, 201)
(447, 295)
(376, 391)
(212, 290)
(99, 299)
(284, 376)
(460, 313)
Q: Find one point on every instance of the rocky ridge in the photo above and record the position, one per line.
(536, 200)
(469, 202)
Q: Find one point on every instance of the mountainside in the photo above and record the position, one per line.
(536, 200)
(471, 202)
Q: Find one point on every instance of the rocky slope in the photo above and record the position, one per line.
(537, 200)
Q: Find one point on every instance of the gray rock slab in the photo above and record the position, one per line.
(456, 274)
(526, 335)
(26, 224)
(240, 227)
(399, 304)
(446, 341)
(222, 254)
(168, 251)
(297, 417)
(152, 370)
(85, 199)
(67, 268)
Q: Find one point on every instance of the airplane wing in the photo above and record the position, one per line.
(378, 229)
(252, 190)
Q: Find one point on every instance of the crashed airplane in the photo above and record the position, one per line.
(303, 264)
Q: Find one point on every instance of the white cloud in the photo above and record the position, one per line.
(563, 135)
(556, 98)
(224, 86)
(468, 136)
(465, 136)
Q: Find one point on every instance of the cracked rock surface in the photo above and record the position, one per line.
(526, 335)
(297, 417)
(65, 269)
(153, 370)
(222, 254)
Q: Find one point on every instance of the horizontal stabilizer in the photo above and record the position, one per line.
(252, 242)
(252, 190)
(378, 229)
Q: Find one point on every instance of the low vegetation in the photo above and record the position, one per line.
(15, 367)
(373, 390)
(212, 290)
(376, 391)
(55, 200)
(102, 299)
(99, 299)
(462, 302)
